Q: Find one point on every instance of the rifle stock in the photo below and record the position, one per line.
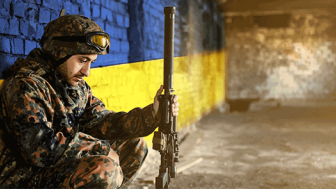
(165, 140)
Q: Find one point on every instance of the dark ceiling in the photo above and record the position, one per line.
(274, 5)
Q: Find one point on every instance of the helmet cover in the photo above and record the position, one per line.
(69, 25)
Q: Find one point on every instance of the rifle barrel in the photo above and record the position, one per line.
(168, 49)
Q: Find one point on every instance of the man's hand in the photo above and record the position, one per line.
(174, 108)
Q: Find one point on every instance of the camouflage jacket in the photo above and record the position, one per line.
(42, 128)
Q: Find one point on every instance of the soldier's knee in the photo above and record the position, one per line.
(106, 163)
(110, 168)
(98, 171)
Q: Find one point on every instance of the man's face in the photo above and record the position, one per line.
(76, 67)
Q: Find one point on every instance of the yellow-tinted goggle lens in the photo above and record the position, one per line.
(101, 40)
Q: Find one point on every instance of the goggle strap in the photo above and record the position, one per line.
(81, 39)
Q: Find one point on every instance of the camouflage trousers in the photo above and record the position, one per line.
(99, 171)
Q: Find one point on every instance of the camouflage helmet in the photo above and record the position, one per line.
(72, 34)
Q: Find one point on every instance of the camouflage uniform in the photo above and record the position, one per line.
(54, 135)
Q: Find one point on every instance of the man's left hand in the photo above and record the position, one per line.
(174, 106)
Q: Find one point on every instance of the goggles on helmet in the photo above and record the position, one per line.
(99, 40)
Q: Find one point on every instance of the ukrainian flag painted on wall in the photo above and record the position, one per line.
(199, 81)
(131, 74)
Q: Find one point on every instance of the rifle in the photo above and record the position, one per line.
(165, 139)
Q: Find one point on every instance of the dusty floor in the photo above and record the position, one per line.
(288, 147)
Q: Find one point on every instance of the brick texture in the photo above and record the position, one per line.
(95, 11)
(4, 26)
(17, 46)
(4, 7)
(106, 14)
(4, 45)
(19, 9)
(52, 4)
(14, 26)
(29, 45)
(44, 15)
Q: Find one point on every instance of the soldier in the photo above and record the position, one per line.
(55, 133)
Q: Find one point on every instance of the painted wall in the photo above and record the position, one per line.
(131, 74)
(124, 87)
(281, 55)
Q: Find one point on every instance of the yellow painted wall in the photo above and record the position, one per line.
(198, 81)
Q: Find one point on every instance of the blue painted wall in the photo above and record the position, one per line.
(136, 27)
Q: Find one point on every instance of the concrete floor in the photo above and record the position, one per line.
(291, 146)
